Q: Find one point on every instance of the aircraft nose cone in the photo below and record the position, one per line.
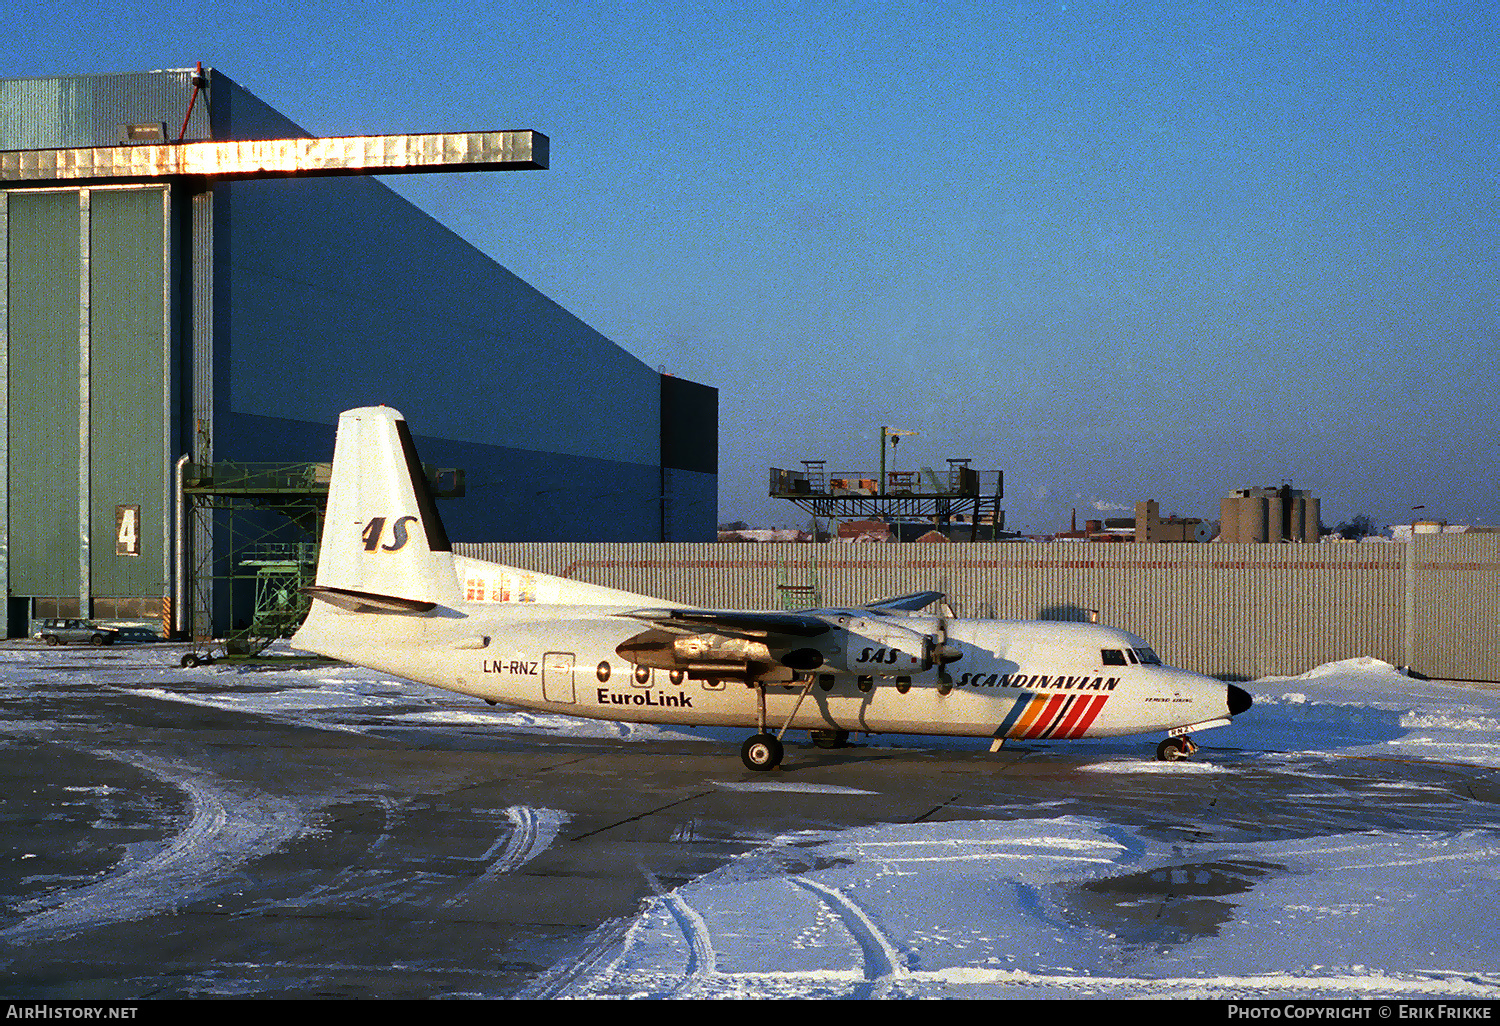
(1239, 700)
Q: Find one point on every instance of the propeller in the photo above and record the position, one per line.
(941, 652)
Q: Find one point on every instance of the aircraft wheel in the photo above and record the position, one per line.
(829, 738)
(761, 752)
(1174, 749)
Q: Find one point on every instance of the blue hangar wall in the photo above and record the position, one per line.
(330, 293)
(263, 309)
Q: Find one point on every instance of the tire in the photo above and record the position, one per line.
(761, 752)
(97, 641)
(1173, 749)
(189, 661)
(51, 639)
(829, 738)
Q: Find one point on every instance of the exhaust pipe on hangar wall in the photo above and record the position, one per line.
(179, 553)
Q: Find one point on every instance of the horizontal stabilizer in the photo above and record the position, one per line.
(367, 602)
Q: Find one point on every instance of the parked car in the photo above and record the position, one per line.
(60, 632)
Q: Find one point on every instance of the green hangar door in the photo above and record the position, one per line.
(86, 403)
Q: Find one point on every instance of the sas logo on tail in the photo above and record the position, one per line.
(375, 530)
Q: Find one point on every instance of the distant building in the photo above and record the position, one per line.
(772, 534)
(1150, 527)
(863, 531)
(1147, 526)
(1260, 515)
(1405, 532)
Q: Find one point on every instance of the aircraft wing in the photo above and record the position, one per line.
(905, 603)
(748, 624)
(803, 624)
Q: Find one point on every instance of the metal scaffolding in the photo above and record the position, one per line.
(249, 536)
(961, 494)
(251, 532)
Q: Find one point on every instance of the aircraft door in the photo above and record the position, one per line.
(557, 677)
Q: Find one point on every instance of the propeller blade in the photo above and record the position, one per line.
(940, 650)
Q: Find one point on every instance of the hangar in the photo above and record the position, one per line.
(187, 273)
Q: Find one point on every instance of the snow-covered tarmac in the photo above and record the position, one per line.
(1373, 905)
(989, 908)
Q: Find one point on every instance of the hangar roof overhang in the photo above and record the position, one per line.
(279, 158)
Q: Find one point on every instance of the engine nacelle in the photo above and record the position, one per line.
(865, 647)
(667, 651)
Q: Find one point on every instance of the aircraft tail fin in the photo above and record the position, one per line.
(383, 547)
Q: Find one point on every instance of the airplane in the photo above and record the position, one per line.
(391, 595)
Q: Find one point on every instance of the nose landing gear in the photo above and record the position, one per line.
(1175, 749)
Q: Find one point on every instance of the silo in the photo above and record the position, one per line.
(1312, 526)
(1229, 520)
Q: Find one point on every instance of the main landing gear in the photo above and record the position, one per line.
(763, 751)
(1175, 749)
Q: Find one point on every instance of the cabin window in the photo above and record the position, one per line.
(1148, 656)
(1113, 657)
(602, 672)
(643, 675)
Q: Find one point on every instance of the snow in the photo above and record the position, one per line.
(970, 909)
(1061, 906)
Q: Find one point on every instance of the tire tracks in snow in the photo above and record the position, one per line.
(572, 977)
(532, 832)
(702, 961)
(595, 970)
(224, 830)
(883, 964)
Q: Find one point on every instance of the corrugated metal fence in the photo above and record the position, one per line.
(1235, 611)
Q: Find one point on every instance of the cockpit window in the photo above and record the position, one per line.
(1147, 656)
(1113, 657)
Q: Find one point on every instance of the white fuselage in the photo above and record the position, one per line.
(391, 594)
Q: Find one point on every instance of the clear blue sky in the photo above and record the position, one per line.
(1121, 252)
